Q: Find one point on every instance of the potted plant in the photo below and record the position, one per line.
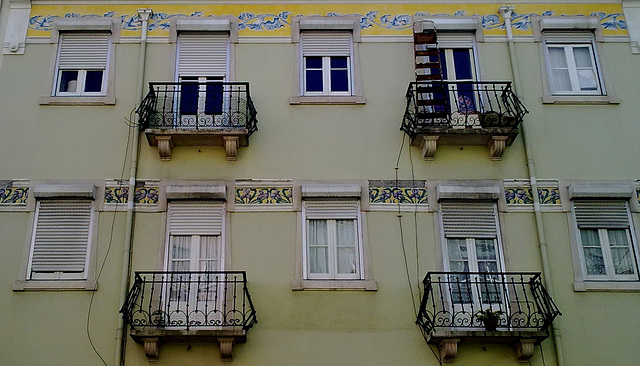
(489, 318)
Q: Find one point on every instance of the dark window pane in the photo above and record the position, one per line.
(68, 81)
(314, 80)
(314, 62)
(462, 61)
(93, 83)
(339, 80)
(338, 62)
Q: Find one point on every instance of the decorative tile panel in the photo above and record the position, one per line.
(549, 196)
(264, 195)
(395, 192)
(638, 194)
(146, 195)
(518, 195)
(13, 195)
(116, 194)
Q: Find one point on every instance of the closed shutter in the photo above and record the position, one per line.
(203, 54)
(469, 219)
(568, 37)
(327, 209)
(326, 43)
(195, 218)
(83, 51)
(601, 214)
(61, 237)
(456, 40)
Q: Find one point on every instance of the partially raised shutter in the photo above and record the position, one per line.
(195, 218)
(601, 214)
(61, 237)
(469, 219)
(203, 54)
(326, 43)
(328, 209)
(83, 51)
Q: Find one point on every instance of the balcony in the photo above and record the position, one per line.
(458, 113)
(174, 306)
(452, 302)
(192, 113)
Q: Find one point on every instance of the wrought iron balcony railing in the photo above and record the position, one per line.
(442, 105)
(452, 301)
(187, 300)
(193, 105)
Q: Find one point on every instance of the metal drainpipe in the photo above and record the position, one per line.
(144, 15)
(506, 11)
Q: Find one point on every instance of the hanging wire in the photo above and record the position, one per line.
(111, 232)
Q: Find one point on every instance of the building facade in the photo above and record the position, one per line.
(304, 183)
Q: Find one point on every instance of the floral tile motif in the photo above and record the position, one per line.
(638, 194)
(116, 194)
(518, 195)
(146, 195)
(264, 195)
(549, 196)
(13, 196)
(398, 195)
(368, 19)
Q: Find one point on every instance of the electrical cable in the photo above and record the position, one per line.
(106, 256)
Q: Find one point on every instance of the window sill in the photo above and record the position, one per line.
(327, 100)
(22, 285)
(108, 100)
(334, 285)
(580, 99)
(606, 286)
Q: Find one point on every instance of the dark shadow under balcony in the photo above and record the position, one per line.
(179, 306)
(499, 307)
(192, 113)
(462, 113)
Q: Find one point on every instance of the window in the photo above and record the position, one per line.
(332, 247)
(327, 50)
(60, 240)
(472, 253)
(83, 62)
(326, 63)
(605, 237)
(574, 71)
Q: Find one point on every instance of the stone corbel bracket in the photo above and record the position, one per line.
(496, 146)
(429, 145)
(152, 344)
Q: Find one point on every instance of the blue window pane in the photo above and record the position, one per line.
(462, 61)
(93, 83)
(314, 62)
(338, 62)
(68, 80)
(339, 80)
(314, 80)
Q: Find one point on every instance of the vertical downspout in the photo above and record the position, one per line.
(144, 15)
(506, 11)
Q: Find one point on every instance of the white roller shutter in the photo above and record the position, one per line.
(61, 236)
(83, 51)
(601, 214)
(469, 219)
(326, 43)
(328, 209)
(568, 37)
(203, 54)
(195, 218)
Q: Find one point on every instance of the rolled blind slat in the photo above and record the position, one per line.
(601, 214)
(195, 218)
(61, 236)
(82, 51)
(469, 219)
(203, 54)
(326, 43)
(325, 210)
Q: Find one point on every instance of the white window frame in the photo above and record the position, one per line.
(572, 68)
(605, 247)
(332, 244)
(326, 68)
(88, 27)
(572, 31)
(330, 25)
(60, 280)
